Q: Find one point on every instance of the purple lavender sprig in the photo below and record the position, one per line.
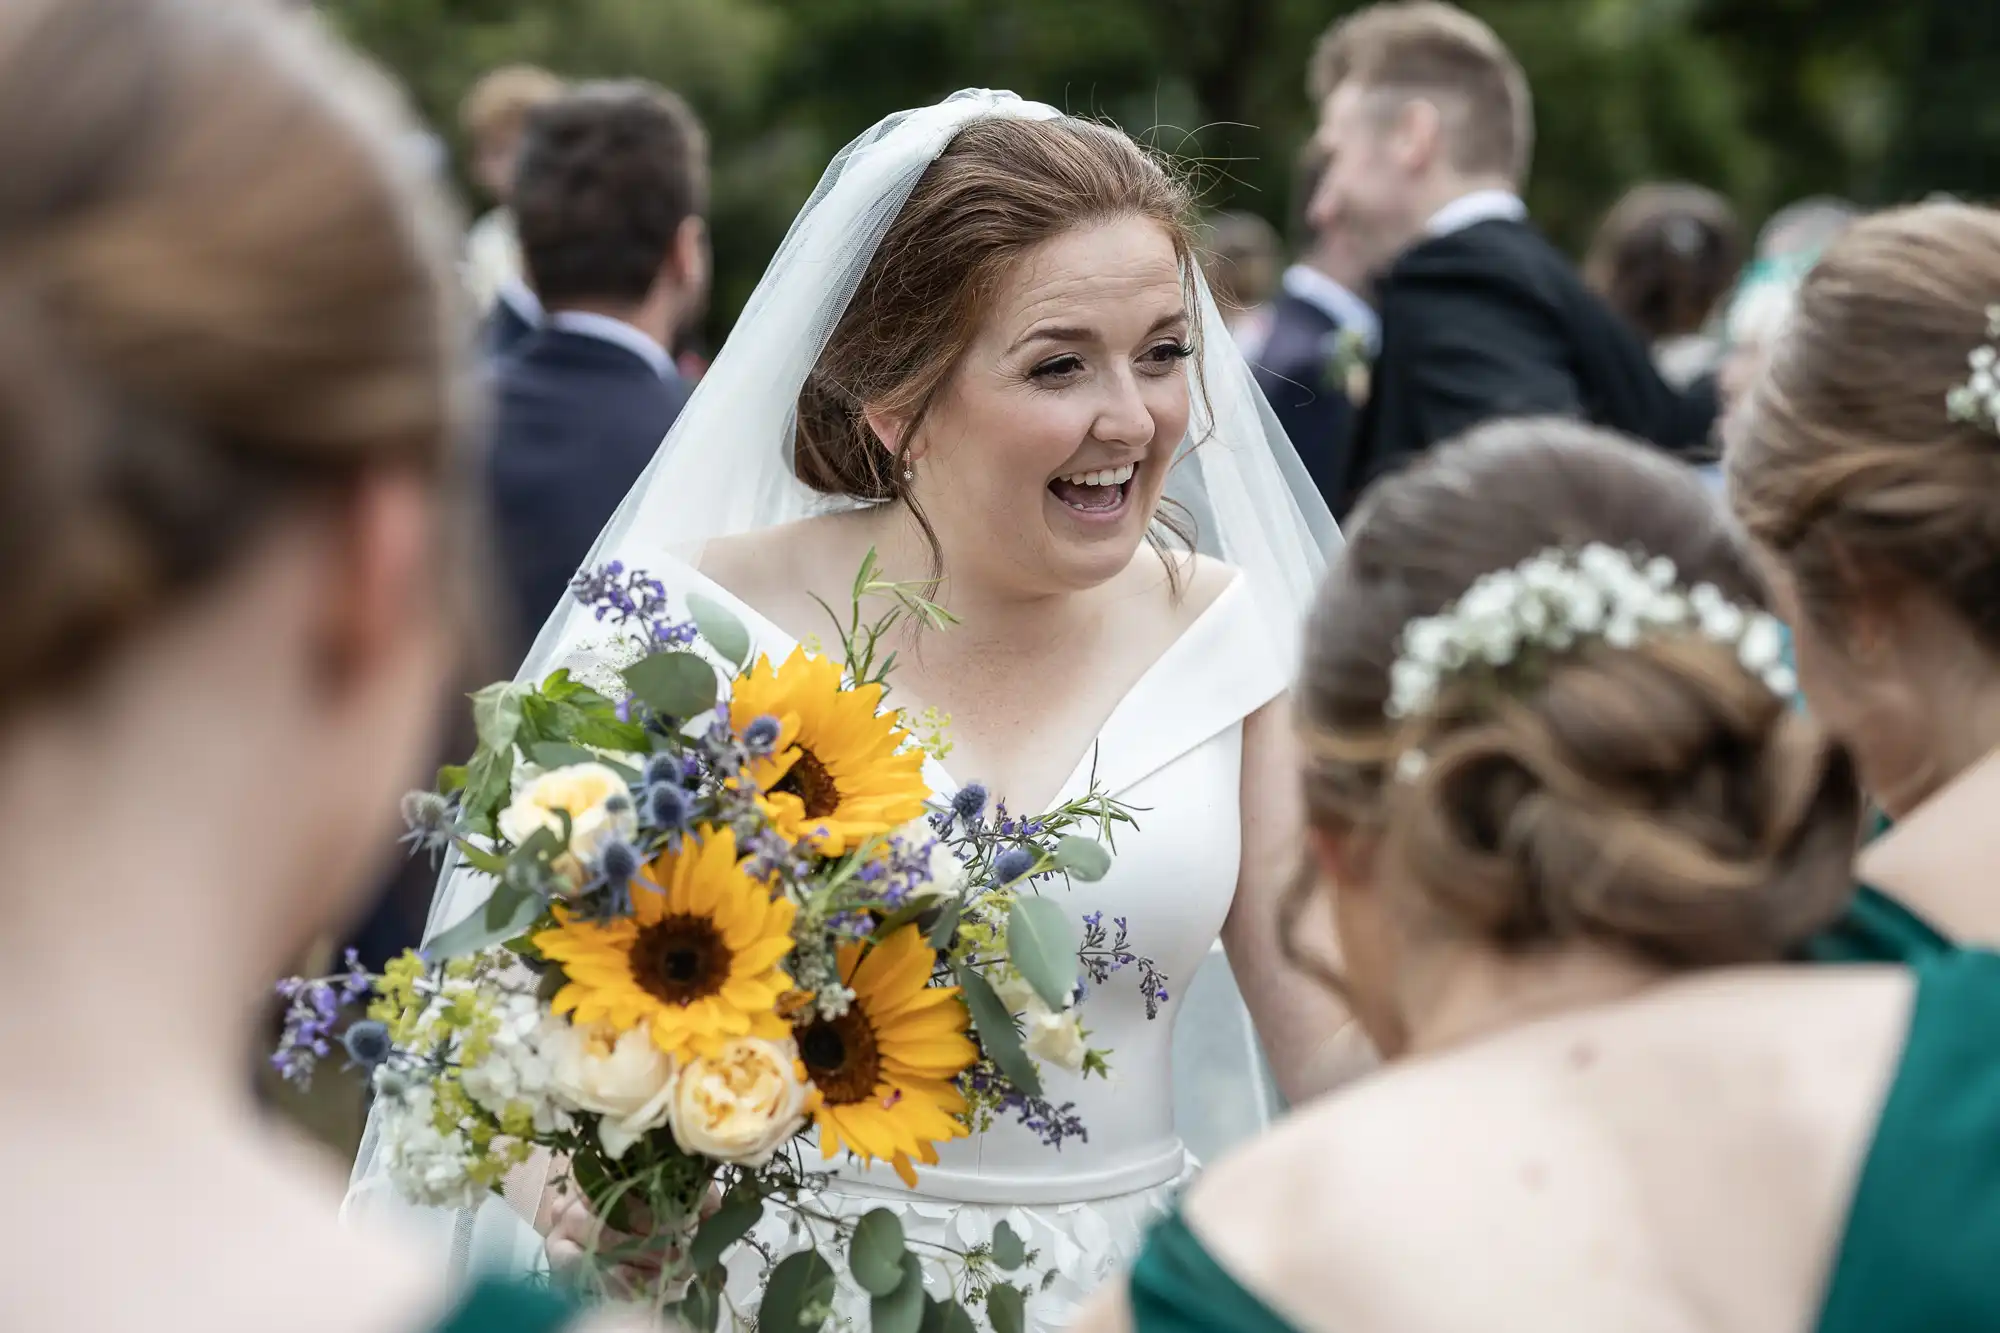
(625, 596)
(1054, 1125)
(1107, 951)
(312, 1012)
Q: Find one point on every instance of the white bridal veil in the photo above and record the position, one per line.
(725, 468)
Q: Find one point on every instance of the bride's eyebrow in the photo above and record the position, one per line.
(1075, 334)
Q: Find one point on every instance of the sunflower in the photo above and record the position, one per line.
(884, 1069)
(697, 960)
(841, 771)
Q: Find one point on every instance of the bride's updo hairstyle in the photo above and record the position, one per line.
(1659, 798)
(1848, 462)
(217, 301)
(999, 189)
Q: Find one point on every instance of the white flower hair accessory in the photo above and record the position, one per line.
(1977, 401)
(1558, 599)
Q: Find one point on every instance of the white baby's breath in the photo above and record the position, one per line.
(1554, 601)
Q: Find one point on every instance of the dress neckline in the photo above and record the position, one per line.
(1177, 670)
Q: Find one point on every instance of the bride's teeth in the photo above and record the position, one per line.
(1116, 476)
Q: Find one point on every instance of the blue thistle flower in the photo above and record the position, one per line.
(1011, 864)
(662, 768)
(368, 1043)
(762, 734)
(618, 862)
(970, 803)
(669, 806)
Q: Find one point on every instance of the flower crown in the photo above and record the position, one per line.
(1977, 401)
(1557, 600)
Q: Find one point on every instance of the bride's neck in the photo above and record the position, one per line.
(988, 605)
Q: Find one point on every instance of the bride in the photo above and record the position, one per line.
(985, 352)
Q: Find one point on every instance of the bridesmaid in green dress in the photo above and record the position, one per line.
(232, 382)
(1864, 467)
(1568, 889)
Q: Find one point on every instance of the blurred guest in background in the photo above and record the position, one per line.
(1241, 260)
(1662, 258)
(1427, 123)
(610, 199)
(1313, 363)
(493, 116)
(1757, 313)
(232, 392)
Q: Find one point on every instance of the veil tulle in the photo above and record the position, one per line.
(725, 468)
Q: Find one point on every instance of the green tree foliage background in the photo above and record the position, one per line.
(1765, 100)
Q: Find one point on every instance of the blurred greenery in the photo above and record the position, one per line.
(1765, 100)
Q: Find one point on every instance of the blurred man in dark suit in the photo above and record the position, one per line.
(609, 200)
(1313, 361)
(1428, 128)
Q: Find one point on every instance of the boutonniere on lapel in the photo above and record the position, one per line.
(1345, 369)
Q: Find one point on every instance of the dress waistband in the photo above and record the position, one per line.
(1021, 1187)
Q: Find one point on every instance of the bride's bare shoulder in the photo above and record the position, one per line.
(756, 565)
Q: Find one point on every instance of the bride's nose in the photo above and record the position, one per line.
(1123, 416)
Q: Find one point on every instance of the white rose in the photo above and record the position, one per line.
(742, 1105)
(1056, 1038)
(627, 1083)
(598, 803)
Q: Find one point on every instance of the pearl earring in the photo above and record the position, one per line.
(909, 473)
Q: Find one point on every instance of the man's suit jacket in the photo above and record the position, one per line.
(505, 329)
(1296, 371)
(577, 419)
(1492, 321)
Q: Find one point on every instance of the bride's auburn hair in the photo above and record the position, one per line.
(222, 294)
(1657, 798)
(1001, 187)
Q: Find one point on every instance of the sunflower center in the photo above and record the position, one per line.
(840, 1057)
(680, 959)
(812, 784)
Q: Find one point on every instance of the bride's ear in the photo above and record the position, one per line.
(887, 428)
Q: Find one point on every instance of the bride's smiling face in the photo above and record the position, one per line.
(1044, 456)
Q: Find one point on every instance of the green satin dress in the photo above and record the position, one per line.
(510, 1307)
(1921, 1250)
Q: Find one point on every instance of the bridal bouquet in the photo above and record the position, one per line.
(728, 921)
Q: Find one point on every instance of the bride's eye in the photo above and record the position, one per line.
(1166, 356)
(1057, 368)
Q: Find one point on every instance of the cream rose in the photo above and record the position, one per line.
(742, 1105)
(1053, 1036)
(598, 803)
(627, 1082)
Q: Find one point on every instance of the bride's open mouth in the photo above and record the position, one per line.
(1098, 495)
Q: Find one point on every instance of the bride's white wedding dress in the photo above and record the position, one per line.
(1172, 749)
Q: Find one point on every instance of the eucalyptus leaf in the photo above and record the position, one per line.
(719, 625)
(1083, 858)
(947, 924)
(481, 858)
(496, 713)
(673, 684)
(1006, 1309)
(902, 1310)
(952, 1318)
(876, 1256)
(556, 754)
(729, 1224)
(504, 902)
(997, 1035)
(700, 1310)
(1042, 943)
(1009, 1251)
(799, 1282)
(479, 931)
